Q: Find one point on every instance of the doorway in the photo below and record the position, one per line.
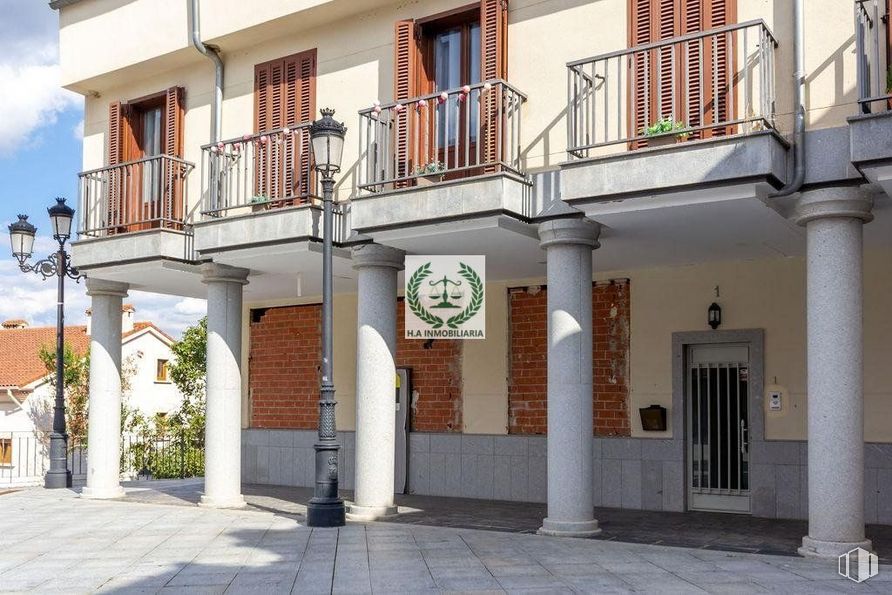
(401, 441)
(717, 394)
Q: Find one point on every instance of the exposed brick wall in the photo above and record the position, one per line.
(285, 358)
(527, 384)
(436, 379)
(284, 362)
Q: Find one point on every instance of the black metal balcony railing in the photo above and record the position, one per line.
(258, 171)
(461, 132)
(147, 193)
(711, 83)
(872, 50)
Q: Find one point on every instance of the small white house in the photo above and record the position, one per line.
(27, 394)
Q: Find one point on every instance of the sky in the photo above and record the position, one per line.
(41, 128)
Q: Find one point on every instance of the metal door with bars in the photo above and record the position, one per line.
(717, 392)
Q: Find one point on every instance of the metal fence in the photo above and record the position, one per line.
(714, 82)
(873, 48)
(466, 131)
(143, 194)
(161, 456)
(25, 459)
(258, 171)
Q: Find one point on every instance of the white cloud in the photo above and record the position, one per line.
(78, 130)
(30, 95)
(28, 296)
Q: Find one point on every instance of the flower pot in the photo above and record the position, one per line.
(661, 140)
(428, 180)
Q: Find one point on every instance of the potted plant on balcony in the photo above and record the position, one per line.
(429, 174)
(663, 132)
(259, 202)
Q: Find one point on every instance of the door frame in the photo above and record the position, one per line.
(755, 339)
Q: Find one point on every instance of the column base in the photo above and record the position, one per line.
(569, 528)
(816, 548)
(54, 480)
(326, 512)
(237, 501)
(370, 513)
(102, 493)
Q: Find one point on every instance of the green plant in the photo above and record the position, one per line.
(76, 381)
(664, 126)
(889, 80)
(430, 168)
(259, 199)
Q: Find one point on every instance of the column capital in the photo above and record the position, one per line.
(376, 255)
(212, 272)
(110, 288)
(837, 202)
(575, 230)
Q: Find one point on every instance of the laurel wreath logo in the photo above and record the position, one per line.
(414, 301)
(476, 301)
(415, 305)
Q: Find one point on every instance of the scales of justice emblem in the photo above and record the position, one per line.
(445, 297)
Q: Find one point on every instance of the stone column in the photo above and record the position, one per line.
(223, 433)
(833, 219)
(377, 268)
(569, 244)
(104, 430)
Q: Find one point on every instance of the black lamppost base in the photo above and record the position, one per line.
(55, 480)
(324, 512)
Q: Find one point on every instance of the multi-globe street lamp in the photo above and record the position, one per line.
(22, 234)
(326, 508)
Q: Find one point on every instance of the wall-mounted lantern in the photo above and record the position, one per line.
(714, 315)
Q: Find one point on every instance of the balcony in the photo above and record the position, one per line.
(871, 130)
(691, 110)
(259, 191)
(456, 154)
(135, 224)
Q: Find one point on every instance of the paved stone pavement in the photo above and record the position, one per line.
(53, 541)
(707, 530)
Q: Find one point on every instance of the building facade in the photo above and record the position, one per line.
(622, 164)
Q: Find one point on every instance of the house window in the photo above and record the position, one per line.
(5, 451)
(147, 192)
(161, 371)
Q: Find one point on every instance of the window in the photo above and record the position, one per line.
(654, 93)
(284, 96)
(5, 451)
(146, 194)
(161, 371)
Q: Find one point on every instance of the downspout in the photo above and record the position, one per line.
(799, 100)
(13, 399)
(214, 56)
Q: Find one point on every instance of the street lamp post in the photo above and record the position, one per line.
(21, 234)
(325, 508)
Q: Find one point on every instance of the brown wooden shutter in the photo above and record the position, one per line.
(115, 149)
(172, 173)
(494, 65)
(174, 113)
(299, 106)
(121, 144)
(654, 20)
(284, 96)
(406, 61)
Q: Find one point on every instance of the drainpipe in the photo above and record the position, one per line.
(13, 399)
(799, 100)
(214, 56)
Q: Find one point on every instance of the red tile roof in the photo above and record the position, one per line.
(19, 362)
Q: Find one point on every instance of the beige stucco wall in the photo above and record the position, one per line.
(355, 59)
(764, 294)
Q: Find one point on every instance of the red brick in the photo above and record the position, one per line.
(527, 384)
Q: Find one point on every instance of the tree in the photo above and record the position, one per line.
(188, 372)
(76, 382)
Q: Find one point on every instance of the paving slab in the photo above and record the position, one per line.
(133, 546)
